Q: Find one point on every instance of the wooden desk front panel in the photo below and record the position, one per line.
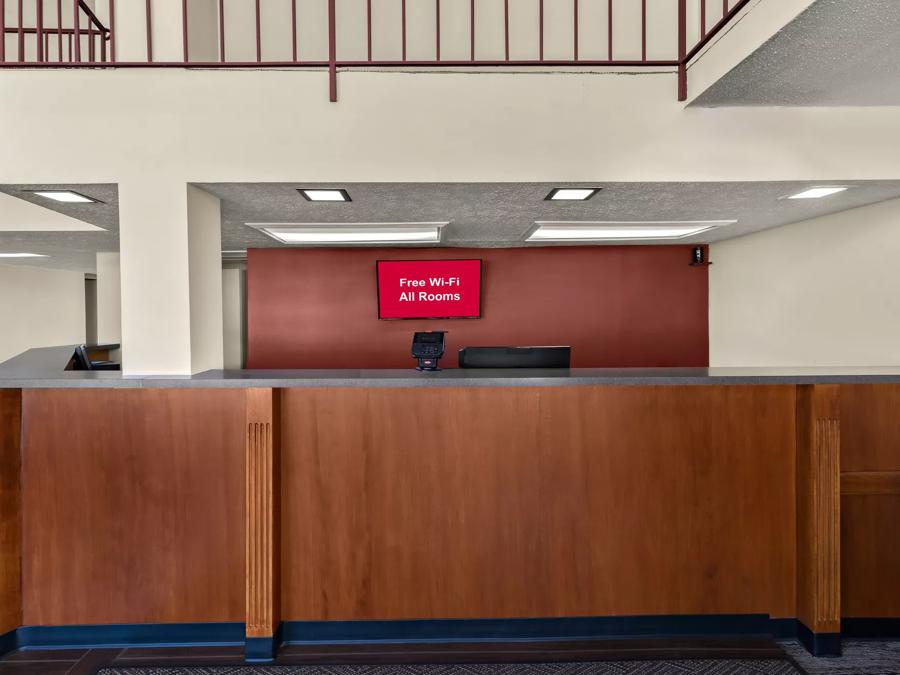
(518, 502)
(870, 504)
(10, 511)
(133, 506)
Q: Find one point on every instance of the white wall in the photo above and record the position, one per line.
(824, 292)
(144, 126)
(40, 308)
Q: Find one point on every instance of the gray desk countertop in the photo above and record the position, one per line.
(40, 368)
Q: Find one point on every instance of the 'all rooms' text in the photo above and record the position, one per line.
(411, 295)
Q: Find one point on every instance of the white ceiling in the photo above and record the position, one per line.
(18, 215)
(835, 53)
(479, 214)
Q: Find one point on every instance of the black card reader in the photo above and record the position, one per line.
(427, 348)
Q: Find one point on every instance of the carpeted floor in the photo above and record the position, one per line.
(861, 657)
(687, 667)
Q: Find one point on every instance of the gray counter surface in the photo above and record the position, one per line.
(40, 368)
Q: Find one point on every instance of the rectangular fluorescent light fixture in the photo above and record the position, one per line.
(818, 192)
(357, 233)
(621, 231)
(325, 195)
(66, 196)
(22, 255)
(571, 194)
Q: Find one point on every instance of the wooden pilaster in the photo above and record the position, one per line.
(263, 522)
(819, 516)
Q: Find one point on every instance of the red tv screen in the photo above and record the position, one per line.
(429, 289)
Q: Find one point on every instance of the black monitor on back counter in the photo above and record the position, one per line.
(515, 357)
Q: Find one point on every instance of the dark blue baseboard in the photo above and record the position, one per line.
(131, 635)
(263, 650)
(819, 644)
(441, 631)
(870, 628)
(489, 630)
(9, 642)
(783, 629)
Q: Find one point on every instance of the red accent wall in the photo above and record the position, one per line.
(618, 306)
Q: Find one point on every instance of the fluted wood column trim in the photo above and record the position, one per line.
(819, 508)
(262, 513)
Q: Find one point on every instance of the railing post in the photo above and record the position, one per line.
(22, 34)
(258, 33)
(506, 29)
(112, 30)
(643, 30)
(149, 14)
(471, 30)
(574, 30)
(77, 31)
(59, 34)
(294, 30)
(609, 30)
(222, 31)
(541, 30)
(332, 53)
(39, 31)
(682, 50)
(184, 30)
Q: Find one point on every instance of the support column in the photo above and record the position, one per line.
(10, 518)
(234, 311)
(171, 273)
(819, 518)
(263, 524)
(205, 263)
(109, 298)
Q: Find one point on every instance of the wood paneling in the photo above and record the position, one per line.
(10, 511)
(570, 501)
(870, 427)
(617, 306)
(818, 507)
(870, 507)
(870, 563)
(262, 512)
(133, 506)
(870, 483)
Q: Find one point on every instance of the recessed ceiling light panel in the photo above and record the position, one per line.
(352, 234)
(22, 255)
(67, 196)
(818, 192)
(571, 194)
(621, 231)
(325, 194)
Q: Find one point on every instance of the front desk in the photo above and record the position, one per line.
(320, 506)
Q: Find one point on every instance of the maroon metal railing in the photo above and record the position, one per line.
(52, 40)
(88, 43)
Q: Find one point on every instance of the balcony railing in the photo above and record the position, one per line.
(346, 34)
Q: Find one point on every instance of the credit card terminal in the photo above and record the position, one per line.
(427, 348)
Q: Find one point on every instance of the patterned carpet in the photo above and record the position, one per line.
(688, 667)
(861, 657)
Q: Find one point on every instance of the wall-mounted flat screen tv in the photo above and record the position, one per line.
(429, 289)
